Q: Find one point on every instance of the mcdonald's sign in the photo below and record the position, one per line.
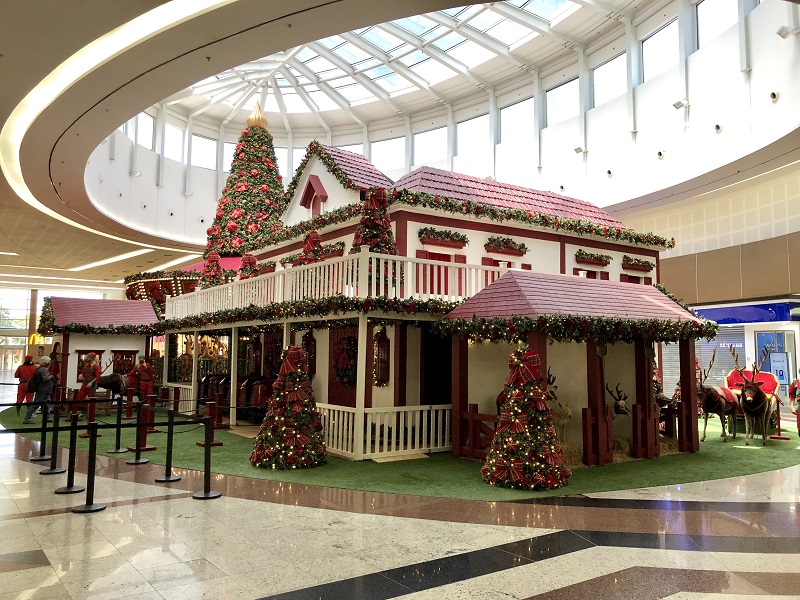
(35, 338)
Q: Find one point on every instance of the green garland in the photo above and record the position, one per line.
(577, 328)
(484, 211)
(316, 149)
(499, 242)
(442, 234)
(581, 253)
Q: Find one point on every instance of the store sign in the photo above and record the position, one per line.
(779, 362)
(35, 338)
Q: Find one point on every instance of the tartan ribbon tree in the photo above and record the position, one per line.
(252, 198)
(291, 433)
(525, 453)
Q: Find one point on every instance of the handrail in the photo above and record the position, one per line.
(363, 275)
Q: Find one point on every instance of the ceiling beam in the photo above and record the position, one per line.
(340, 100)
(526, 19)
(305, 97)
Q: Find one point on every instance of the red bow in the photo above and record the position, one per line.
(295, 357)
(524, 371)
(505, 471)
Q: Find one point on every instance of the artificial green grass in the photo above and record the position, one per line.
(442, 475)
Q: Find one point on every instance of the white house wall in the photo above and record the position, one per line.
(106, 343)
(338, 196)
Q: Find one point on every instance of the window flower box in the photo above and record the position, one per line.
(443, 243)
(332, 254)
(442, 237)
(590, 258)
(505, 245)
(267, 268)
(636, 264)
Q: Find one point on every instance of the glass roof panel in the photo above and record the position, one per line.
(484, 20)
(381, 39)
(379, 71)
(417, 25)
(449, 40)
(320, 65)
(343, 81)
(323, 101)
(305, 54)
(294, 103)
(413, 58)
(392, 82)
(453, 11)
(546, 9)
(351, 53)
(471, 54)
(508, 32)
(433, 72)
(355, 93)
(331, 42)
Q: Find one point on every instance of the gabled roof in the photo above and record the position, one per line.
(102, 313)
(502, 195)
(355, 166)
(530, 294)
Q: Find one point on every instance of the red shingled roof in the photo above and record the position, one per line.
(102, 313)
(529, 294)
(502, 195)
(362, 172)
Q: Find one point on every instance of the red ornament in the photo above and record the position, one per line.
(231, 226)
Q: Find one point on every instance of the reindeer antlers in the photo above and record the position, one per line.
(756, 369)
(619, 396)
(707, 372)
(736, 359)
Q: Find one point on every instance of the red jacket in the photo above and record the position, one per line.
(25, 372)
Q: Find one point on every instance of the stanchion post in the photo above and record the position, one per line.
(90, 505)
(43, 438)
(207, 494)
(168, 476)
(91, 415)
(54, 469)
(151, 416)
(212, 414)
(129, 392)
(118, 449)
(71, 488)
(138, 460)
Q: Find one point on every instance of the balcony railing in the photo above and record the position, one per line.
(361, 275)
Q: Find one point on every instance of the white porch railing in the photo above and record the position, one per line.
(393, 431)
(352, 276)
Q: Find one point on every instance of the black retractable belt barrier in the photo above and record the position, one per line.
(54, 469)
(90, 506)
(43, 439)
(207, 494)
(168, 476)
(71, 488)
(138, 460)
(118, 449)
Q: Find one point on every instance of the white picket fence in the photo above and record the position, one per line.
(393, 431)
(352, 276)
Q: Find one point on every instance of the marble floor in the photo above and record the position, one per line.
(736, 538)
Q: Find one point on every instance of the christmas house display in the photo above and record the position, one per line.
(253, 194)
(213, 273)
(525, 453)
(291, 434)
(415, 232)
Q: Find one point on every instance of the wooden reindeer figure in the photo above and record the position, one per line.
(756, 405)
(620, 406)
(718, 401)
(563, 413)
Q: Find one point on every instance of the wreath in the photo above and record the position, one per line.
(345, 361)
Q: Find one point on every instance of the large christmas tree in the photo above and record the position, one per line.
(291, 433)
(525, 453)
(253, 196)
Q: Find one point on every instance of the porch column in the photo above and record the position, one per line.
(460, 392)
(687, 407)
(370, 365)
(644, 413)
(195, 365)
(64, 373)
(287, 335)
(400, 374)
(234, 388)
(598, 439)
(361, 385)
(538, 341)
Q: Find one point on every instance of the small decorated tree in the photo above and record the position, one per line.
(248, 268)
(291, 433)
(375, 229)
(252, 198)
(312, 249)
(213, 273)
(525, 453)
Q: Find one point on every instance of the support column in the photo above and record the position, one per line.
(234, 387)
(687, 408)
(598, 438)
(538, 341)
(460, 392)
(644, 413)
(361, 384)
(370, 365)
(195, 367)
(400, 363)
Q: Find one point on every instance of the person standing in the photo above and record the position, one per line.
(90, 373)
(146, 376)
(24, 372)
(41, 396)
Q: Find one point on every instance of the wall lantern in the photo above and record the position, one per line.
(309, 345)
(381, 354)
